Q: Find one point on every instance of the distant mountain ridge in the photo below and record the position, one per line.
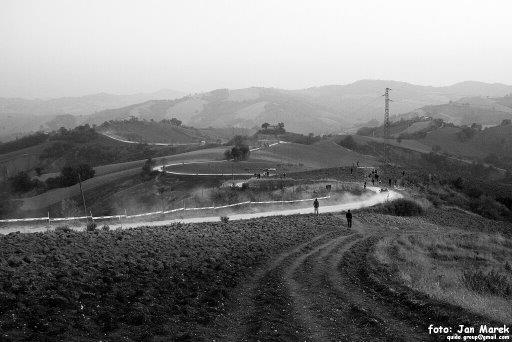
(325, 109)
(19, 116)
(81, 105)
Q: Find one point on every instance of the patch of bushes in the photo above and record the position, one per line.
(351, 144)
(402, 207)
(493, 282)
(91, 226)
(224, 219)
(22, 182)
(63, 229)
(26, 141)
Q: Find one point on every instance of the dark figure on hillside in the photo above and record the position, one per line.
(395, 182)
(364, 186)
(376, 177)
(373, 181)
(351, 170)
(403, 173)
(349, 218)
(390, 182)
(358, 163)
(316, 205)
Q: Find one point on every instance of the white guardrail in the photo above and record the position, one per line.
(57, 219)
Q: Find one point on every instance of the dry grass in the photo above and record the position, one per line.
(471, 270)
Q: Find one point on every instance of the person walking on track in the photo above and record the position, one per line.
(349, 218)
(316, 205)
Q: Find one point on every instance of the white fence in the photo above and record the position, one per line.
(58, 219)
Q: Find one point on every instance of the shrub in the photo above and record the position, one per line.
(63, 229)
(224, 219)
(22, 182)
(493, 282)
(487, 207)
(105, 227)
(402, 207)
(91, 226)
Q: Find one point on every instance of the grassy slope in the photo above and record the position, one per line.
(107, 173)
(405, 143)
(454, 257)
(320, 155)
(482, 144)
(461, 114)
(153, 132)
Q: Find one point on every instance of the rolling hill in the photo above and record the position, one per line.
(153, 132)
(299, 157)
(493, 145)
(468, 110)
(325, 109)
(19, 116)
(244, 108)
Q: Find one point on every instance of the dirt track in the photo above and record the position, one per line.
(325, 290)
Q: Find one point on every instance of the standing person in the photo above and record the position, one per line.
(373, 181)
(390, 182)
(351, 170)
(316, 205)
(349, 218)
(364, 186)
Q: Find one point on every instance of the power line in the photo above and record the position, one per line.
(386, 122)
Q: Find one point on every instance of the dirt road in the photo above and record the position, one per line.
(325, 290)
(367, 200)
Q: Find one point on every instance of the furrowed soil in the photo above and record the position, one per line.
(296, 278)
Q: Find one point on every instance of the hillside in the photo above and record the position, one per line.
(493, 140)
(465, 111)
(326, 109)
(165, 132)
(21, 116)
(244, 108)
(492, 145)
(324, 154)
(81, 105)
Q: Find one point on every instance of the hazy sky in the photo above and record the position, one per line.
(56, 48)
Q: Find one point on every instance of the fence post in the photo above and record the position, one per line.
(49, 222)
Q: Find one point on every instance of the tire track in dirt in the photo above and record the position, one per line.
(303, 303)
(344, 279)
(327, 290)
(245, 316)
(299, 297)
(278, 311)
(336, 313)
